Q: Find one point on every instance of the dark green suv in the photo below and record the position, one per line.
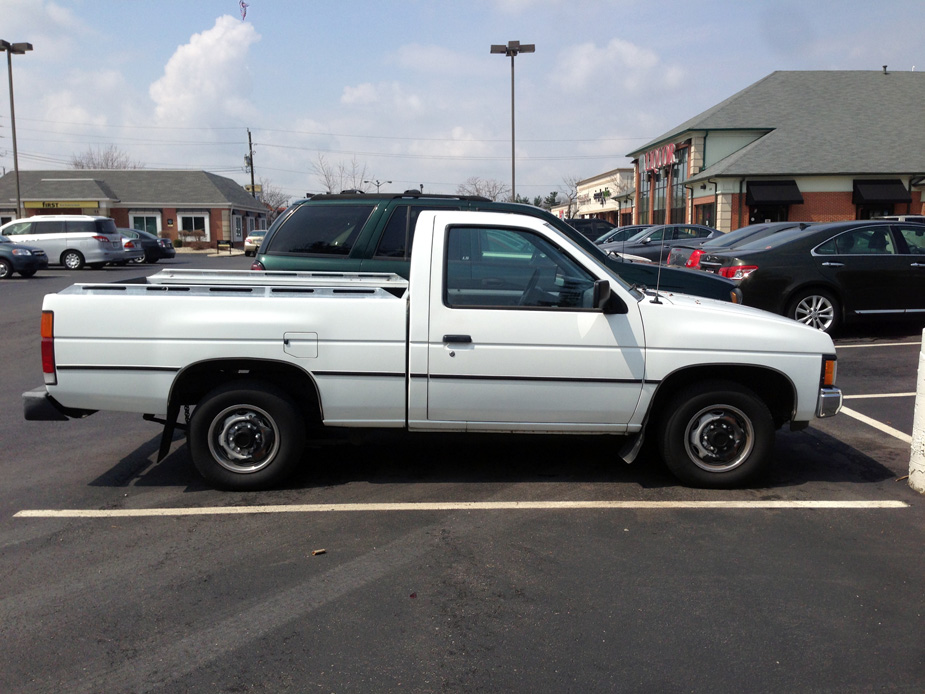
(355, 232)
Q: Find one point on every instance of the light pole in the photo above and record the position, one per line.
(377, 183)
(512, 49)
(18, 49)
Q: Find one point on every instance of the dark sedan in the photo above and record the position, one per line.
(155, 247)
(18, 257)
(830, 273)
(621, 233)
(688, 255)
(655, 243)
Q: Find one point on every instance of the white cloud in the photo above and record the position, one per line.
(207, 81)
(386, 94)
(620, 63)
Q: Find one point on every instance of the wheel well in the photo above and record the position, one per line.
(771, 386)
(193, 382)
(806, 288)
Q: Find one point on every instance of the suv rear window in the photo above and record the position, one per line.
(321, 229)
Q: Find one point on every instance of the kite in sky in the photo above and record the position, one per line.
(243, 6)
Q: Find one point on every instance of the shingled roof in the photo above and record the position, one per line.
(132, 188)
(819, 123)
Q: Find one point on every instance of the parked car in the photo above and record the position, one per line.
(831, 273)
(71, 240)
(590, 227)
(656, 242)
(131, 251)
(373, 233)
(17, 257)
(688, 255)
(252, 242)
(904, 217)
(621, 233)
(154, 247)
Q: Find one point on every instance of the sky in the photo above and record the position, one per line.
(408, 91)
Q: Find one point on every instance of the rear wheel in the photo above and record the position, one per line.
(816, 308)
(716, 434)
(72, 260)
(246, 435)
(6, 269)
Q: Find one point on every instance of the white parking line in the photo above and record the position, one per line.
(879, 395)
(886, 429)
(456, 506)
(881, 344)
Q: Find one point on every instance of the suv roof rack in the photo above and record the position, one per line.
(346, 195)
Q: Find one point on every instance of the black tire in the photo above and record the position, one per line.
(246, 435)
(72, 260)
(6, 269)
(23, 273)
(716, 434)
(816, 308)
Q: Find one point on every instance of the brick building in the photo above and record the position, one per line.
(802, 146)
(190, 205)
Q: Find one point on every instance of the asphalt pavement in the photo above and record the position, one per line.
(453, 563)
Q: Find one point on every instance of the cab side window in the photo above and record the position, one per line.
(511, 268)
(869, 241)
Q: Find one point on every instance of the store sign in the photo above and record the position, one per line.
(49, 205)
(660, 158)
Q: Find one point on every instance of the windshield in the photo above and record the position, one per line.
(4, 239)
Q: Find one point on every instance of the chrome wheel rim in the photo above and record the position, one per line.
(72, 261)
(719, 438)
(5, 271)
(816, 311)
(243, 439)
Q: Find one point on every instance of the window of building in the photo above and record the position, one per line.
(661, 186)
(678, 191)
(705, 214)
(643, 216)
(145, 221)
(194, 227)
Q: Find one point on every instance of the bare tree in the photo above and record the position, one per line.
(569, 190)
(337, 177)
(490, 188)
(274, 198)
(110, 158)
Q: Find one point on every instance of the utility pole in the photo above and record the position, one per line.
(250, 161)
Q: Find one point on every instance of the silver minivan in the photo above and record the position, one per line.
(71, 240)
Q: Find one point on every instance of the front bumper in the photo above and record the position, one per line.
(39, 406)
(829, 402)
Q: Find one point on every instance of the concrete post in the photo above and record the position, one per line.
(917, 459)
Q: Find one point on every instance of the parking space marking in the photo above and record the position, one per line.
(881, 344)
(886, 429)
(459, 506)
(879, 395)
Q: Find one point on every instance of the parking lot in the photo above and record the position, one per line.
(459, 564)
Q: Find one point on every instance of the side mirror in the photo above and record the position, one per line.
(605, 300)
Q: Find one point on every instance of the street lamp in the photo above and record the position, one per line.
(18, 49)
(512, 49)
(377, 183)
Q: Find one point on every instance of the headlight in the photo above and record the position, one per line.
(21, 251)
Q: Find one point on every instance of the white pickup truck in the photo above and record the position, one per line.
(504, 325)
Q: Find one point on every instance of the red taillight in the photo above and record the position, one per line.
(48, 347)
(102, 239)
(737, 272)
(694, 260)
(257, 265)
(129, 244)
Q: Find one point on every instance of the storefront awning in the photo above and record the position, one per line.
(773, 193)
(880, 191)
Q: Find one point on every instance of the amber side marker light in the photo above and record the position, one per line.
(48, 347)
(829, 367)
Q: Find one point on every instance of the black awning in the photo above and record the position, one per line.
(772, 193)
(877, 191)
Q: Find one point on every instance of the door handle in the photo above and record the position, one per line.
(464, 339)
(833, 265)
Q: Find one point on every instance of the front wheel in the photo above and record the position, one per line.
(716, 434)
(72, 260)
(246, 436)
(6, 269)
